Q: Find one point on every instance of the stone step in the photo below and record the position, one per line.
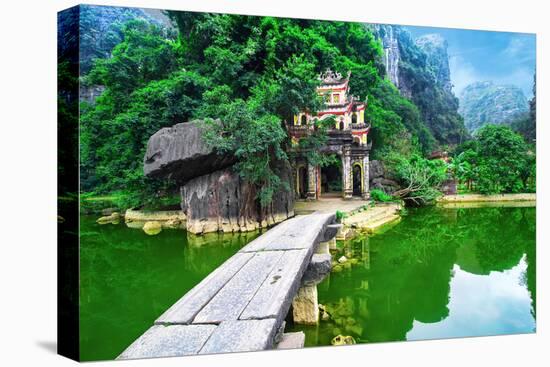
(377, 225)
(292, 340)
(373, 215)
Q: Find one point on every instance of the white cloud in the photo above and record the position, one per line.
(463, 73)
(519, 48)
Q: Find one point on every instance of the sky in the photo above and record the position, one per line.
(501, 57)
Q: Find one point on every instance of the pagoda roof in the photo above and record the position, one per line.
(330, 77)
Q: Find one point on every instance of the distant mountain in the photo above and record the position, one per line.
(484, 103)
(420, 70)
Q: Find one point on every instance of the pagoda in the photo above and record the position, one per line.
(348, 139)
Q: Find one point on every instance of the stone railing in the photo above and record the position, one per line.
(359, 126)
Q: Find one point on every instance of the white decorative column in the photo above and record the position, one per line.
(347, 185)
(311, 182)
(366, 189)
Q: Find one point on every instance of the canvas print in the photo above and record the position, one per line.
(234, 183)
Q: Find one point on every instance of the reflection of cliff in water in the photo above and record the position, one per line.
(405, 274)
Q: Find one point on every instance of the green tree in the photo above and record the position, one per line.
(420, 178)
(497, 161)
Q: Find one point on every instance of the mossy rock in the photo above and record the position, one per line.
(152, 228)
(342, 340)
(113, 218)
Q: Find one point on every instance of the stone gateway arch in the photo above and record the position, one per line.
(347, 140)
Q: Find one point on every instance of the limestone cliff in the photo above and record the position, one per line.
(489, 103)
(437, 59)
(391, 52)
(420, 70)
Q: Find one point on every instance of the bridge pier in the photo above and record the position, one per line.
(305, 305)
(241, 306)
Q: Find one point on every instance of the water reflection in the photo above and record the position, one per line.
(439, 273)
(493, 304)
(127, 279)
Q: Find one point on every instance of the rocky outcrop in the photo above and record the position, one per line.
(376, 169)
(488, 103)
(213, 195)
(222, 201)
(180, 153)
(378, 178)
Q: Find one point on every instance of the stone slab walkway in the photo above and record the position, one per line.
(240, 306)
(329, 205)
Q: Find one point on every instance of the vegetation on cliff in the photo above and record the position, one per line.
(484, 103)
(423, 75)
(253, 74)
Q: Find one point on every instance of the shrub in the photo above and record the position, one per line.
(379, 195)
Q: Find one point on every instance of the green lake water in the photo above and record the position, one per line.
(128, 279)
(439, 273)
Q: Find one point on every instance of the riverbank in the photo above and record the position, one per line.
(358, 214)
(373, 219)
(167, 218)
(478, 198)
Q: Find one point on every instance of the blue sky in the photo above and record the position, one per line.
(502, 57)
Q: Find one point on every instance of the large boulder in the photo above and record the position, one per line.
(384, 184)
(223, 201)
(376, 169)
(180, 153)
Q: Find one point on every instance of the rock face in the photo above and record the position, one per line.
(435, 48)
(222, 201)
(488, 103)
(420, 70)
(391, 52)
(376, 169)
(378, 179)
(180, 153)
(213, 196)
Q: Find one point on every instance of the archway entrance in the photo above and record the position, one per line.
(357, 178)
(302, 182)
(331, 179)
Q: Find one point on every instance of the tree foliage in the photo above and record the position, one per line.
(420, 178)
(496, 161)
(245, 77)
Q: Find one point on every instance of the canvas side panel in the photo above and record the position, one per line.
(68, 183)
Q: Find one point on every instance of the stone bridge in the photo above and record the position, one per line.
(242, 305)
